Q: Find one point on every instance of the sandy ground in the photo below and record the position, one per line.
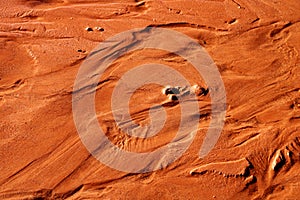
(255, 45)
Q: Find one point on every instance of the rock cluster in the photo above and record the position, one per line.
(174, 92)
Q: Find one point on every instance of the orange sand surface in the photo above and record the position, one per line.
(255, 45)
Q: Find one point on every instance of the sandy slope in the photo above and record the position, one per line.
(255, 45)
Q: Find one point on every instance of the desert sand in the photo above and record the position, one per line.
(255, 45)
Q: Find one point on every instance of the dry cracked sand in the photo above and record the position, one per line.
(254, 43)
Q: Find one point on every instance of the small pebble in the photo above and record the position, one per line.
(197, 90)
(173, 97)
(99, 29)
(170, 90)
(88, 29)
(165, 89)
(81, 51)
(173, 91)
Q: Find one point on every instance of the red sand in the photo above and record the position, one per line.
(255, 45)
